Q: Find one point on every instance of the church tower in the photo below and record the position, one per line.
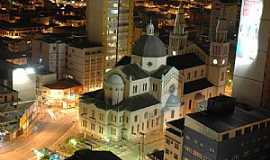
(178, 38)
(218, 58)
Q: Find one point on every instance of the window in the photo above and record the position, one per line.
(145, 115)
(268, 124)
(152, 123)
(225, 136)
(168, 141)
(142, 126)
(101, 117)
(84, 123)
(195, 74)
(176, 145)
(202, 72)
(175, 156)
(135, 87)
(167, 151)
(215, 61)
(155, 112)
(238, 133)
(135, 118)
(262, 125)
(255, 128)
(190, 104)
(113, 131)
(172, 114)
(144, 86)
(93, 126)
(247, 130)
(188, 76)
(138, 128)
(132, 130)
(100, 129)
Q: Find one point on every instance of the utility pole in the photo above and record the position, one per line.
(142, 145)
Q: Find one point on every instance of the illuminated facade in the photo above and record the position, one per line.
(63, 93)
(251, 75)
(137, 98)
(85, 63)
(110, 23)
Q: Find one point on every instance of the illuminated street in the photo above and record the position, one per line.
(49, 133)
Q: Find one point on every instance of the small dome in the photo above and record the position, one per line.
(149, 46)
(173, 101)
(115, 80)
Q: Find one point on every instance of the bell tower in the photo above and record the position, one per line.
(218, 58)
(178, 38)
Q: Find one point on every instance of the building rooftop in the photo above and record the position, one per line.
(63, 84)
(184, 61)
(197, 85)
(124, 61)
(138, 102)
(86, 154)
(162, 70)
(149, 46)
(242, 115)
(134, 71)
(83, 43)
(130, 104)
(179, 123)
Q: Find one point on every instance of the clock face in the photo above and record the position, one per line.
(149, 64)
(172, 88)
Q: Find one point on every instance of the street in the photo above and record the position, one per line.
(48, 133)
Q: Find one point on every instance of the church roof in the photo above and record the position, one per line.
(196, 85)
(130, 104)
(161, 71)
(149, 46)
(138, 102)
(134, 71)
(184, 61)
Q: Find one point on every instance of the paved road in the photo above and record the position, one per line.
(49, 133)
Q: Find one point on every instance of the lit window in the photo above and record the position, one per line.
(114, 11)
(223, 61)
(215, 61)
(115, 5)
(174, 53)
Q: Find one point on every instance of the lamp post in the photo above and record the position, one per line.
(142, 145)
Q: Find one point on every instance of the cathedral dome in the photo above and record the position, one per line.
(115, 80)
(149, 46)
(173, 101)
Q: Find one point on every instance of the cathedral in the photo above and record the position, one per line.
(156, 85)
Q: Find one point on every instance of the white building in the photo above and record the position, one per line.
(137, 98)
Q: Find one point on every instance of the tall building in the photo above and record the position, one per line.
(227, 131)
(178, 38)
(251, 75)
(110, 23)
(85, 62)
(51, 51)
(230, 10)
